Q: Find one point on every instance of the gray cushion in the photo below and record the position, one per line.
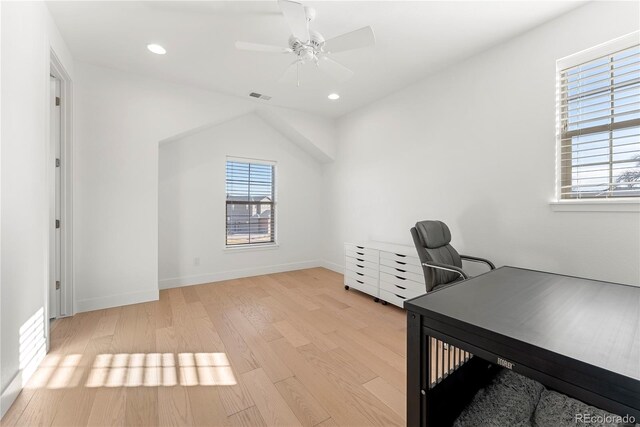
(510, 400)
(434, 234)
(431, 239)
(444, 255)
(558, 410)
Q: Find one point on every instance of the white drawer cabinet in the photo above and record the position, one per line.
(361, 286)
(395, 271)
(394, 299)
(367, 267)
(406, 265)
(401, 283)
(363, 254)
(356, 275)
(401, 258)
(390, 273)
(360, 262)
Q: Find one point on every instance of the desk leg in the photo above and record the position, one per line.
(417, 363)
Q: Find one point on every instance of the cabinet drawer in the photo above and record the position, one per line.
(371, 281)
(402, 282)
(361, 267)
(361, 286)
(403, 289)
(365, 254)
(392, 298)
(402, 265)
(362, 261)
(407, 259)
(361, 249)
(400, 272)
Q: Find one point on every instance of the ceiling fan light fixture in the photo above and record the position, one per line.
(333, 96)
(309, 46)
(156, 48)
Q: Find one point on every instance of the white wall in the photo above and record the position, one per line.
(120, 120)
(192, 204)
(474, 146)
(28, 34)
(320, 130)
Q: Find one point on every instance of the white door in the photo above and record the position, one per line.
(54, 286)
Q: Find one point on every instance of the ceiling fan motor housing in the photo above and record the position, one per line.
(307, 50)
(309, 45)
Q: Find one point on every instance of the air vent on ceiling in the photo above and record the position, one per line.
(259, 96)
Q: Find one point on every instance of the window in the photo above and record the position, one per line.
(599, 121)
(250, 203)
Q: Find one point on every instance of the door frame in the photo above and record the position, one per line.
(55, 193)
(66, 193)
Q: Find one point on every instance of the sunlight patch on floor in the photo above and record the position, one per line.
(134, 370)
(160, 369)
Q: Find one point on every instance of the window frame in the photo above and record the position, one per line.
(258, 245)
(564, 173)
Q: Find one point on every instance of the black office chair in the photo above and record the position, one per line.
(441, 263)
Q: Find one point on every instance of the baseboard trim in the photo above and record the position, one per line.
(235, 274)
(99, 303)
(11, 392)
(332, 266)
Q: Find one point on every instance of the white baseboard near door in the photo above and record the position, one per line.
(236, 274)
(332, 266)
(99, 303)
(11, 392)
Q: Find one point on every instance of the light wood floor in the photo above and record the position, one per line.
(283, 349)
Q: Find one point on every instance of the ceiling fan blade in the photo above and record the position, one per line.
(296, 18)
(258, 47)
(334, 69)
(353, 40)
(291, 74)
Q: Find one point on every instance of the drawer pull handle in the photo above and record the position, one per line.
(401, 256)
(359, 266)
(400, 270)
(362, 283)
(358, 259)
(399, 296)
(401, 278)
(360, 253)
(359, 274)
(404, 289)
(401, 263)
(360, 247)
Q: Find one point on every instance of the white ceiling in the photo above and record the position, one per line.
(414, 39)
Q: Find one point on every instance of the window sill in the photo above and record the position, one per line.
(250, 248)
(608, 205)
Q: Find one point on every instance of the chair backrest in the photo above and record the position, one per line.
(432, 240)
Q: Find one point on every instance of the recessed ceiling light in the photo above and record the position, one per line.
(333, 96)
(156, 48)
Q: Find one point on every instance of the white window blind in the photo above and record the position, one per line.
(599, 117)
(250, 203)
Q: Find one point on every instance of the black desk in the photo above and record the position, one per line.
(580, 337)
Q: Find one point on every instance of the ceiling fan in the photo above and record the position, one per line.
(309, 46)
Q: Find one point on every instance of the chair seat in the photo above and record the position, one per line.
(441, 263)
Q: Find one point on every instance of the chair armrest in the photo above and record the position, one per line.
(476, 259)
(446, 267)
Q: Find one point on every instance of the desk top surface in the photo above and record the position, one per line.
(592, 321)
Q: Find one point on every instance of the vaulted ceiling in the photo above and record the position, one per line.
(414, 39)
